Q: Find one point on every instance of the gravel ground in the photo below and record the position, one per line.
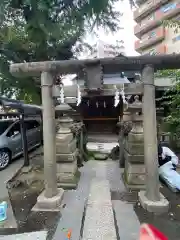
(168, 223)
(22, 201)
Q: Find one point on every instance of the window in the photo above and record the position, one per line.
(151, 35)
(150, 17)
(14, 130)
(147, 19)
(4, 126)
(31, 124)
(178, 18)
(177, 38)
(144, 6)
(168, 7)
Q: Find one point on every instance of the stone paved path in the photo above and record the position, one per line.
(107, 174)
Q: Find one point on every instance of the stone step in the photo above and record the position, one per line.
(104, 138)
(100, 156)
(99, 218)
(101, 147)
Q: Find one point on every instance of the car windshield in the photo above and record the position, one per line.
(4, 125)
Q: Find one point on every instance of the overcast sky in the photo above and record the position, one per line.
(127, 35)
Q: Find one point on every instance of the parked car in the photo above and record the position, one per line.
(10, 138)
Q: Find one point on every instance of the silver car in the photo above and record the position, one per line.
(10, 138)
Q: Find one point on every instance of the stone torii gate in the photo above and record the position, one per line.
(151, 199)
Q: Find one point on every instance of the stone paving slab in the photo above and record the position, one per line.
(71, 218)
(99, 218)
(100, 169)
(99, 223)
(75, 201)
(26, 236)
(114, 175)
(126, 220)
(99, 193)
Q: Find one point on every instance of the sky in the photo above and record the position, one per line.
(127, 34)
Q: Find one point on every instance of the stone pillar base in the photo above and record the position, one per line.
(67, 174)
(131, 187)
(134, 174)
(68, 181)
(154, 207)
(45, 204)
(68, 185)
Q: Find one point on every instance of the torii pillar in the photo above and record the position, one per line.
(50, 199)
(151, 199)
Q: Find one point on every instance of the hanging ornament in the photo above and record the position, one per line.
(78, 96)
(104, 104)
(62, 94)
(116, 97)
(123, 95)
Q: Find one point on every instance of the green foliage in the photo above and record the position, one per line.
(175, 24)
(171, 99)
(40, 30)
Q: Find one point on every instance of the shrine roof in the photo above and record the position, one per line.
(109, 65)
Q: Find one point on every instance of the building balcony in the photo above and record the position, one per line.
(166, 12)
(150, 38)
(147, 8)
(158, 49)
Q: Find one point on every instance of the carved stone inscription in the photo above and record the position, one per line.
(93, 76)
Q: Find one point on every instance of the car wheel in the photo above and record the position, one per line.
(5, 158)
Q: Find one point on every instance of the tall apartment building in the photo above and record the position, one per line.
(104, 49)
(153, 37)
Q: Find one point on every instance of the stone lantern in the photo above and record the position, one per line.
(66, 150)
(134, 148)
(124, 126)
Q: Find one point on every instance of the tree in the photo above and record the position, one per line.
(39, 30)
(171, 100)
